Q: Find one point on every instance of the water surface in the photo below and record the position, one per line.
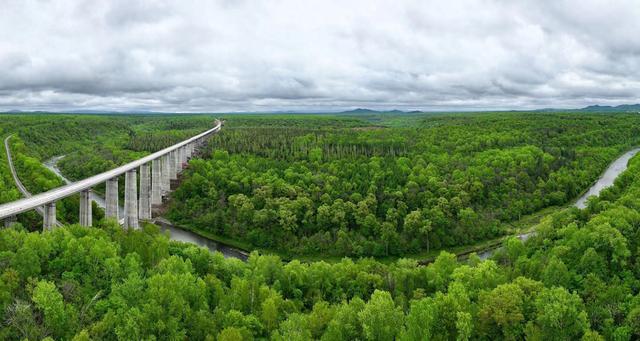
(606, 180)
(175, 232)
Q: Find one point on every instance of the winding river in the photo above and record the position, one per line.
(175, 233)
(608, 177)
(618, 166)
(606, 180)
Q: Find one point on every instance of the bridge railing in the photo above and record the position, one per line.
(156, 172)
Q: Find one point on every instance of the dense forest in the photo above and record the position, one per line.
(577, 277)
(356, 186)
(89, 144)
(321, 185)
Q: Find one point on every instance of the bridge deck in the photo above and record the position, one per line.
(38, 200)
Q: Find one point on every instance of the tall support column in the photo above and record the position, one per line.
(144, 202)
(112, 199)
(176, 156)
(85, 208)
(49, 217)
(166, 181)
(182, 159)
(9, 221)
(189, 151)
(173, 161)
(131, 200)
(156, 182)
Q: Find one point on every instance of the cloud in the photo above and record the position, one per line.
(317, 55)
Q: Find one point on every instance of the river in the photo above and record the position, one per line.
(175, 232)
(618, 166)
(606, 180)
(608, 177)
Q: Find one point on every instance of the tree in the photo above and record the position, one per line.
(320, 316)
(441, 269)
(556, 273)
(231, 334)
(48, 299)
(293, 329)
(381, 319)
(416, 225)
(501, 314)
(419, 322)
(346, 324)
(270, 313)
(560, 315)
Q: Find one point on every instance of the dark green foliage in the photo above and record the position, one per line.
(576, 278)
(321, 185)
(90, 145)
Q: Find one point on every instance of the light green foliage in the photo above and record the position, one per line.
(576, 278)
(89, 144)
(559, 316)
(420, 320)
(502, 312)
(57, 318)
(343, 186)
(381, 319)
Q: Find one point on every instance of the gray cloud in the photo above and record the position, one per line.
(287, 54)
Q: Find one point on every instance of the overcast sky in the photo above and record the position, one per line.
(233, 55)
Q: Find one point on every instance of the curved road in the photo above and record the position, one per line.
(52, 165)
(23, 205)
(16, 179)
(21, 188)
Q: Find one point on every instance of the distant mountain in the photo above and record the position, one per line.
(618, 108)
(629, 108)
(361, 111)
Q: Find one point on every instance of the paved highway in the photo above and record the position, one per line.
(38, 200)
(16, 180)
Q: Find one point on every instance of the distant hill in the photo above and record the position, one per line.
(592, 108)
(629, 108)
(361, 111)
(618, 108)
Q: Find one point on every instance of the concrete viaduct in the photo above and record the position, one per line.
(156, 172)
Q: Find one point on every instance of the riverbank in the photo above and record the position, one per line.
(228, 249)
(179, 233)
(524, 226)
(521, 228)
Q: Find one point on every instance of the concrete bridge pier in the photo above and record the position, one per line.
(144, 208)
(165, 174)
(156, 182)
(9, 221)
(189, 151)
(157, 172)
(131, 200)
(177, 159)
(112, 199)
(173, 166)
(49, 217)
(85, 208)
(181, 156)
